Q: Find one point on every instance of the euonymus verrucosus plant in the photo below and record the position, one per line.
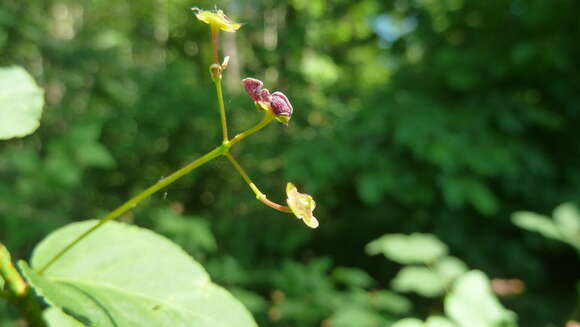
(104, 273)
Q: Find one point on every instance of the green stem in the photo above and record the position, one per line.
(218, 87)
(259, 195)
(138, 198)
(220, 150)
(268, 116)
(17, 291)
(215, 32)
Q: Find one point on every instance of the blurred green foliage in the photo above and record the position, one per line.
(427, 116)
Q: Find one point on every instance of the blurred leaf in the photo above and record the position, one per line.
(471, 303)
(421, 280)
(567, 219)
(450, 268)
(409, 322)
(536, 223)
(390, 302)
(21, 102)
(407, 249)
(56, 318)
(154, 279)
(353, 277)
(253, 301)
(438, 321)
(564, 227)
(363, 318)
(433, 321)
(193, 233)
(95, 155)
(320, 69)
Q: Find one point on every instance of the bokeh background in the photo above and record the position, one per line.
(432, 116)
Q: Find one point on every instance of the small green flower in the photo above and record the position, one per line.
(216, 19)
(301, 205)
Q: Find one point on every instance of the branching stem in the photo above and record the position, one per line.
(259, 195)
(218, 151)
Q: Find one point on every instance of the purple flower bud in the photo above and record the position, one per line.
(254, 89)
(280, 105)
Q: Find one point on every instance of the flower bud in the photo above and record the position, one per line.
(281, 107)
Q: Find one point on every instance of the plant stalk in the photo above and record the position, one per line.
(218, 151)
(18, 292)
(259, 195)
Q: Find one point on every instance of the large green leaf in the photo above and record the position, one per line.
(407, 249)
(123, 275)
(471, 303)
(21, 102)
(56, 318)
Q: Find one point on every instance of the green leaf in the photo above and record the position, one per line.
(407, 249)
(471, 303)
(123, 275)
(433, 321)
(450, 268)
(421, 280)
(21, 102)
(567, 219)
(363, 317)
(438, 321)
(193, 233)
(537, 223)
(390, 301)
(95, 155)
(409, 322)
(353, 277)
(56, 318)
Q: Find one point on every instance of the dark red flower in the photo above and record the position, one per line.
(255, 91)
(281, 105)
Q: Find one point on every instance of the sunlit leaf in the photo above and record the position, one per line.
(421, 280)
(56, 318)
(21, 102)
(409, 322)
(123, 275)
(407, 249)
(536, 223)
(450, 267)
(471, 303)
(567, 219)
(390, 301)
(438, 321)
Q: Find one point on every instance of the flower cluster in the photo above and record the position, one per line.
(300, 204)
(276, 102)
